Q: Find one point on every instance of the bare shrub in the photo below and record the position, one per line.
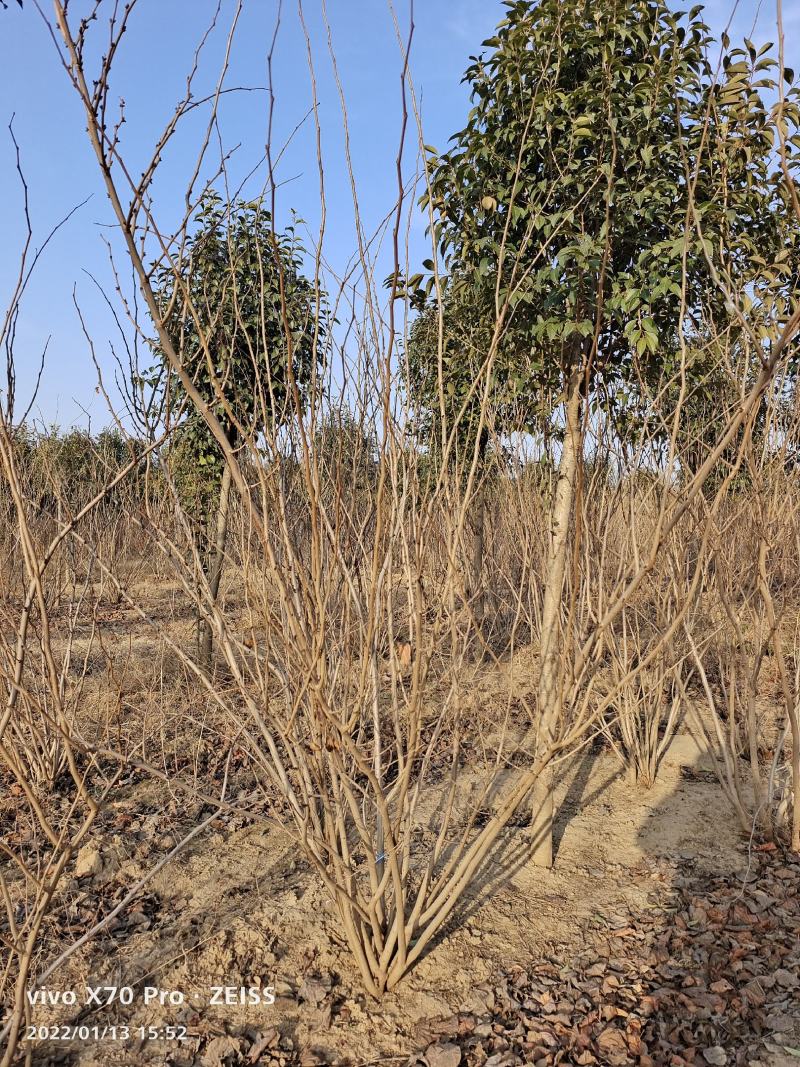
(746, 634)
(343, 558)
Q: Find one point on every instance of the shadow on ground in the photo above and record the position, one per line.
(708, 972)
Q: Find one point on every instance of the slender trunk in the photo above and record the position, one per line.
(794, 725)
(790, 697)
(216, 565)
(549, 695)
(478, 546)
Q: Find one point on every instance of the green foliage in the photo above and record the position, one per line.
(750, 230)
(466, 334)
(574, 143)
(567, 195)
(246, 322)
(71, 467)
(197, 483)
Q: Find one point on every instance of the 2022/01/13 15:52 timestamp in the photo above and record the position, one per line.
(105, 1032)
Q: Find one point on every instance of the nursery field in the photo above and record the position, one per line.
(663, 933)
(400, 634)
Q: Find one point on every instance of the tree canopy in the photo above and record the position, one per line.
(249, 327)
(605, 184)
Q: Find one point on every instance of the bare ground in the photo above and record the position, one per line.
(240, 908)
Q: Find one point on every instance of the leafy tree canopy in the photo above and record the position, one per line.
(247, 323)
(604, 183)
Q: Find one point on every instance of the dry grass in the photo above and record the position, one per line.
(406, 652)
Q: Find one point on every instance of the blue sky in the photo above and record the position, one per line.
(150, 76)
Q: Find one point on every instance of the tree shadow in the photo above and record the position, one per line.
(576, 797)
(517, 844)
(706, 972)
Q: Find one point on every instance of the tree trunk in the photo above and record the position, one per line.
(216, 565)
(794, 723)
(549, 694)
(476, 568)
